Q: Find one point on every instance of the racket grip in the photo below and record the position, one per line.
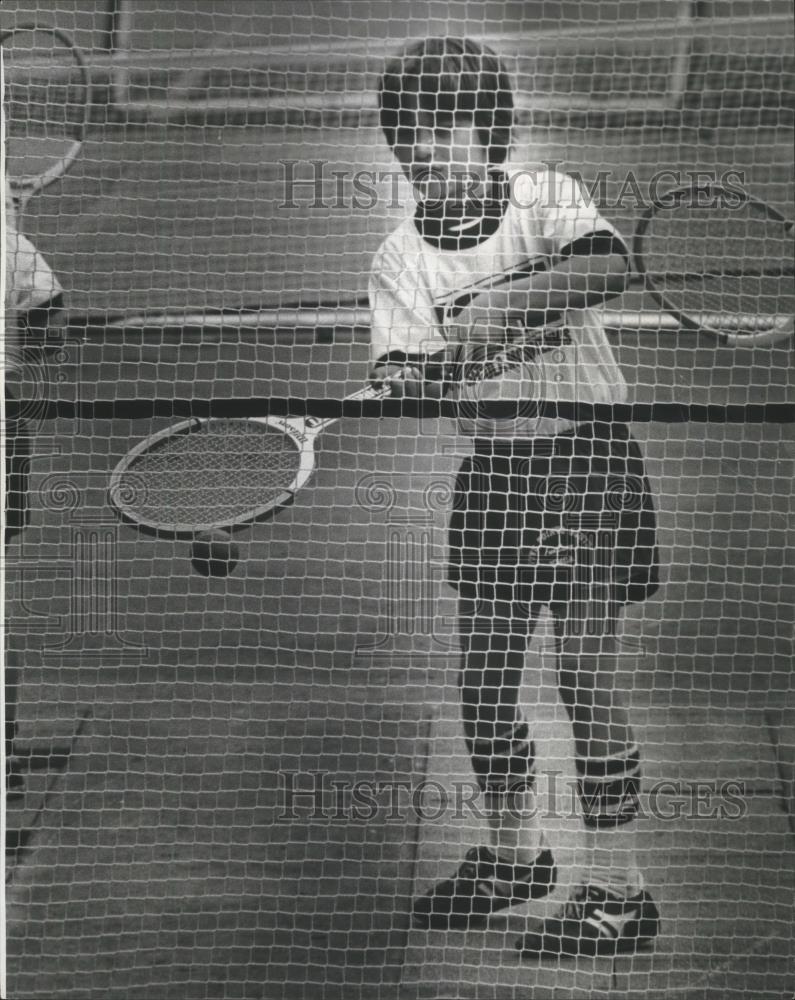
(445, 367)
(436, 369)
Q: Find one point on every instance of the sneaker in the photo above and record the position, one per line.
(482, 886)
(597, 921)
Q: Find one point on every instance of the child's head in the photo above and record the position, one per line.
(446, 110)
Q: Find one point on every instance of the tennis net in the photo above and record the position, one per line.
(265, 759)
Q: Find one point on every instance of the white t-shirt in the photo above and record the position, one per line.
(30, 281)
(416, 290)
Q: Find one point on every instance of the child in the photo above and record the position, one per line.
(547, 511)
(33, 311)
(32, 319)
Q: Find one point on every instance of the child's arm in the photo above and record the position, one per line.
(587, 264)
(406, 344)
(537, 299)
(577, 283)
(410, 380)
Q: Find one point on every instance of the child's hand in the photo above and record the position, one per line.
(406, 380)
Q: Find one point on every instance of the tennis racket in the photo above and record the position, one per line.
(47, 105)
(721, 262)
(212, 473)
(203, 474)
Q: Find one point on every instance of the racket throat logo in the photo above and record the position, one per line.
(302, 432)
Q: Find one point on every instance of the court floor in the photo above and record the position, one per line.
(191, 841)
(189, 217)
(173, 851)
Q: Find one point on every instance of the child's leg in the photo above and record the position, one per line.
(607, 756)
(609, 912)
(495, 638)
(517, 866)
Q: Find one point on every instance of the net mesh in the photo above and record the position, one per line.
(239, 784)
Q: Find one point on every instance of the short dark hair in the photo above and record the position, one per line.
(450, 76)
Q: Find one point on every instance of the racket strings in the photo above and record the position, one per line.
(46, 88)
(746, 294)
(217, 473)
(722, 262)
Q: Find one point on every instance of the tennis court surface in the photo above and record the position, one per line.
(234, 785)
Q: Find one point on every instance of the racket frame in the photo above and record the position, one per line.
(304, 432)
(22, 189)
(730, 329)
